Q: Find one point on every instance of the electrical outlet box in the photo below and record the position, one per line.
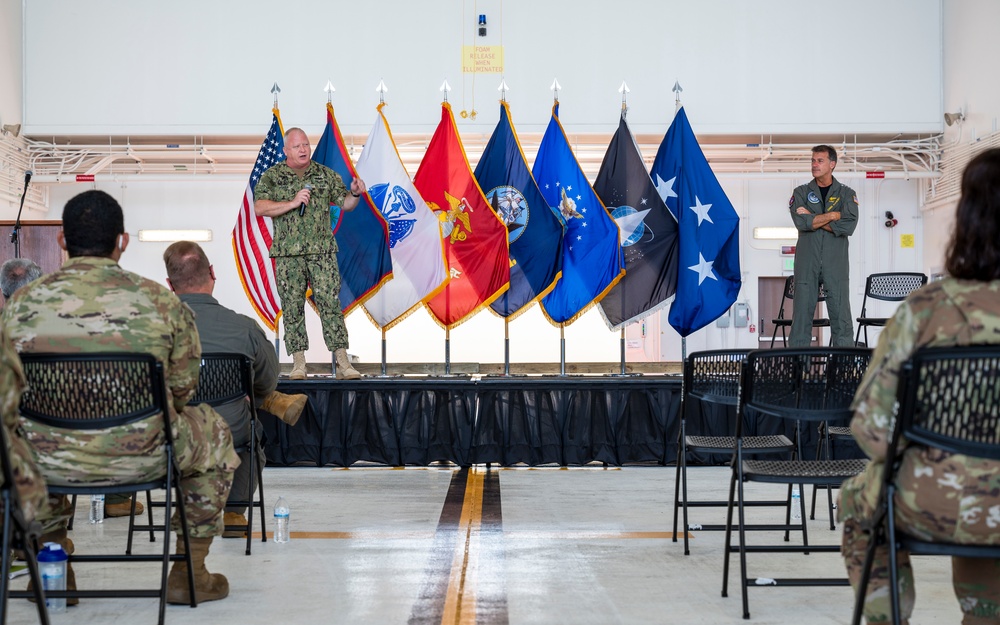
(723, 321)
(741, 315)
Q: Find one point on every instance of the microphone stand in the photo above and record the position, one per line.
(14, 236)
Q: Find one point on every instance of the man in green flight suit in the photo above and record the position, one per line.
(296, 194)
(91, 304)
(825, 213)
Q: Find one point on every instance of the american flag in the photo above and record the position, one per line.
(252, 234)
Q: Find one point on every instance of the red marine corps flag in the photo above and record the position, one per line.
(475, 239)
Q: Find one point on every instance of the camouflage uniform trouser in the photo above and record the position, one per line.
(27, 478)
(294, 274)
(976, 580)
(203, 448)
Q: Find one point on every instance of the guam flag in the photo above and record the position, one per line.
(648, 231)
(362, 234)
(534, 229)
(592, 251)
(709, 277)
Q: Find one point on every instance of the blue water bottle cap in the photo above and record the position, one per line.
(52, 552)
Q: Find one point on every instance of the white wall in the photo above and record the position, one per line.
(768, 66)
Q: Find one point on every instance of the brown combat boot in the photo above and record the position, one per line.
(298, 366)
(123, 508)
(59, 536)
(207, 586)
(344, 369)
(288, 408)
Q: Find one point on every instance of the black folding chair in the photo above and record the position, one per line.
(107, 390)
(811, 385)
(18, 533)
(713, 377)
(224, 378)
(949, 400)
(785, 323)
(887, 287)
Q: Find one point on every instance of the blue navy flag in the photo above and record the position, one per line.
(709, 277)
(648, 233)
(592, 252)
(362, 234)
(534, 229)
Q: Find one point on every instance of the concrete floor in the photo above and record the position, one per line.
(519, 546)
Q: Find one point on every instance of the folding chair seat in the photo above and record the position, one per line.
(785, 323)
(17, 533)
(949, 400)
(799, 385)
(106, 390)
(224, 378)
(713, 377)
(887, 287)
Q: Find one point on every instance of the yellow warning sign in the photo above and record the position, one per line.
(482, 59)
(906, 240)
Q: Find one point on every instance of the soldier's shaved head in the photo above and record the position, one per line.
(92, 222)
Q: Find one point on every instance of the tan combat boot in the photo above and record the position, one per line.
(207, 586)
(288, 408)
(59, 536)
(298, 366)
(344, 369)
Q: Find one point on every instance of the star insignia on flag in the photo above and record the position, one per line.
(665, 188)
(701, 210)
(703, 269)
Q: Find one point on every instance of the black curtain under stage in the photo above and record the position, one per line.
(502, 420)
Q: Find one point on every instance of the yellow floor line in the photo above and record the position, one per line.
(460, 601)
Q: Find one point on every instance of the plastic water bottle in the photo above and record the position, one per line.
(796, 504)
(282, 515)
(97, 508)
(52, 567)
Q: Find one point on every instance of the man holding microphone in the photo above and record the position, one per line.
(296, 194)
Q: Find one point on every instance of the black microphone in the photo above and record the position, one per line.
(302, 206)
(27, 177)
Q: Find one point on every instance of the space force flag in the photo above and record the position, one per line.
(475, 239)
(648, 233)
(709, 277)
(418, 264)
(592, 252)
(534, 229)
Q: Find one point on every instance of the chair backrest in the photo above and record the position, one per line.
(893, 287)
(714, 375)
(93, 391)
(949, 399)
(223, 378)
(809, 384)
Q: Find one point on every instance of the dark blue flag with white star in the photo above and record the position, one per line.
(592, 252)
(709, 277)
(534, 230)
(648, 233)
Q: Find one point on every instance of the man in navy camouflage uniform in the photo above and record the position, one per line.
(296, 194)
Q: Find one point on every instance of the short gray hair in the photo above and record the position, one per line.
(17, 272)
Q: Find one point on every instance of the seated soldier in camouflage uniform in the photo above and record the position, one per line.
(91, 304)
(948, 497)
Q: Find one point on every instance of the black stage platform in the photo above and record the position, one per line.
(502, 420)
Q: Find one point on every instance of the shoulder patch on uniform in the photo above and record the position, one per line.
(855, 199)
(791, 201)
